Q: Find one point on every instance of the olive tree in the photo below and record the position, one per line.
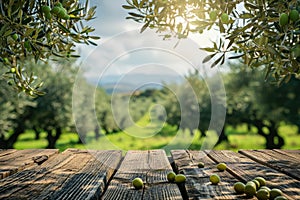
(261, 104)
(43, 30)
(15, 114)
(260, 32)
(53, 111)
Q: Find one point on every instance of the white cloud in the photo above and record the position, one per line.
(122, 47)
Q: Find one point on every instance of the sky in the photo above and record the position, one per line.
(123, 51)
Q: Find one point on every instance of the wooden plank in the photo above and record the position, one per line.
(281, 162)
(4, 152)
(12, 161)
(152, 166)
(6, 171)
(247, 169)
(198, 185)
(291, 153)
(73, 174)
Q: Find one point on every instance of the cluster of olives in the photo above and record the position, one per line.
(257, 187)
(177, 178)
(58, 10)
(284, 18)
(224, 17)
(215, 178)
(138, 183)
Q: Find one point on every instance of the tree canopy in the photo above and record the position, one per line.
(260, 32)
(40, 30)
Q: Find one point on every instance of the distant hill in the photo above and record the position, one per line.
(133, 82)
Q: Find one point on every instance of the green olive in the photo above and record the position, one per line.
(55, 10)
(138, 183)
(224, 18)
(180, 178)
(5, 60)
(48, 15)
(13, 70)
(15, 36)
(46, 9)
(62, 13)
(283, 19)
(66, 17)
(27, 44)
(213, 15)
(294, 15)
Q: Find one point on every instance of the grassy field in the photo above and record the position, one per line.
(162, 136)
(147, 134)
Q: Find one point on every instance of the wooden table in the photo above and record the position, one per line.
(89, 174)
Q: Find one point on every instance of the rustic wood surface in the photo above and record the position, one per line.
(292, 153)
(198, 185)
(12, 161)
(89, 174)
(281, 162)
(73, 174)
(246, 169)
(152, 167)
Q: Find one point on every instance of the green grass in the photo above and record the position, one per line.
(67, 140)
(157, 135)
(27, 141)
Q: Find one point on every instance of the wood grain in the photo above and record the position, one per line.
(12, 161)
(73, 174)
(152, 167)
(89, 174)
(283, 163)
(198, 185)
(290, 153)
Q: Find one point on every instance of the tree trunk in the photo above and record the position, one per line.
(37, 133)
(203, 134)
(222, 136)
(97, 133)
(115, 130)
(273, 139)
(105, 128)
(9, 143)
(52, 138)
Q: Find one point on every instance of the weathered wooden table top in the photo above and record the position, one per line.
(90, 174)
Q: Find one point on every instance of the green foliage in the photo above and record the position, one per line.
(261, 33)
(51, 112)
(14, 113)
(7, 109)
(40, 30)
(56, 104)
(250, 100)
(261, 104)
